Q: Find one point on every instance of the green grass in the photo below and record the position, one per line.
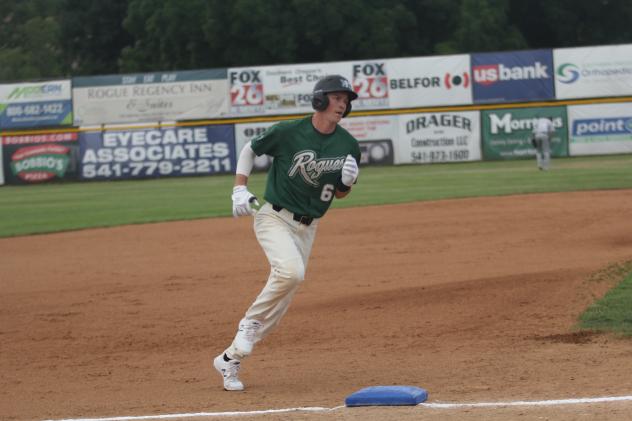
(68, 206)
(612, 313)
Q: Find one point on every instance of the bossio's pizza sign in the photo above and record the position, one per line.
(40, 162)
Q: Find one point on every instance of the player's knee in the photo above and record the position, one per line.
(293, 271)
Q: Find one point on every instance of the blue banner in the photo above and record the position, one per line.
(513, 76)
(157, 152)
(602, 126)
(35, 114)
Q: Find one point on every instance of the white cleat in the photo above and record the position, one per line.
(247, 335)
(229, 371)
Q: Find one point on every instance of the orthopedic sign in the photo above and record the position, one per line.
(35, 104)
(592, 72)
(136, 98)
(157, 152)
(600, 129)
(513, 76)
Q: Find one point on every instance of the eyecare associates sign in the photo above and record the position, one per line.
(137, 98)
(157, 152)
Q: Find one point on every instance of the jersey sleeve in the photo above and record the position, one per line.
(267, 142)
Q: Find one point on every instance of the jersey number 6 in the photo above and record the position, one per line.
(327, 193)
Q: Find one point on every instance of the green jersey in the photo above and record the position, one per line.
(306, 165)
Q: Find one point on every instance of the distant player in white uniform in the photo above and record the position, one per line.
(542, 132)
(315, 160)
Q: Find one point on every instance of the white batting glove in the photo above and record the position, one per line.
(242, 201)
(350, 171)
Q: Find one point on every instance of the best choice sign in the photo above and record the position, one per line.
(507, 132)
(512, 77)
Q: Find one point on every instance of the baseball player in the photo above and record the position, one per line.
(315, 160)
(542, 131)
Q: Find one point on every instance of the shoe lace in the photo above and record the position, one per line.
(250, 329)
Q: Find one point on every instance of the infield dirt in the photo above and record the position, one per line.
(475, 300)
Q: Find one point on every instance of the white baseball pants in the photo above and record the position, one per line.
(543, 151)
(287, 245)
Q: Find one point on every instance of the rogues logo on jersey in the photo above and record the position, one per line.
(488, 74)
(310, 168)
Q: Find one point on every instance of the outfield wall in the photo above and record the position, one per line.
(169, 150)
(418, 110)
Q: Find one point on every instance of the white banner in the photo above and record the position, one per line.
(149, 97)
(377, 138)
(380, 84)
(600, 129)
(277, 89)
(590, 72)
(439, 137)
(245, 133)
(52, 90)
(427, 81)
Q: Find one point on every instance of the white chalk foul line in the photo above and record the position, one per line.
(204, 414)
(437, 405)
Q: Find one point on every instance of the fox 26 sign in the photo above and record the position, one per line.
(512, 77)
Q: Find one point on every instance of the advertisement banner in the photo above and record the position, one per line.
(507, 132)
(600, 129)
(275, 90)
(35, 104)
(439, 137)
(429, 81)
(512, 76)
(39, 158)
(376, 137)
(592, 72)
(380, 84)
(134, 98)
(245, 133)
(157, 152)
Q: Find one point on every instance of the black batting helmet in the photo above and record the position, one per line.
(328, 84)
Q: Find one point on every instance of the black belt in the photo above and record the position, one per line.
(305, 220)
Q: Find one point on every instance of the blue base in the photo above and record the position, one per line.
(387, 395)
